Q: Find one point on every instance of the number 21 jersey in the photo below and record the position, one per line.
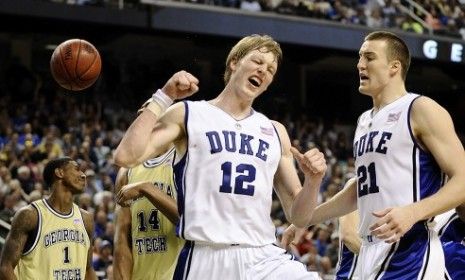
(392, 169)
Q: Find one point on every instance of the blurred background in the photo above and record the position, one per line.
(143, 42)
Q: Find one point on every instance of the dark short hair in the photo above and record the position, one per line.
(49, 170)
(396, 48)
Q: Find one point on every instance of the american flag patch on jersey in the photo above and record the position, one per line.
(77, 221)
(393, 117)
(267, 130)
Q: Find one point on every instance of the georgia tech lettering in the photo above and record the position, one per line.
(67, 274)
(150, 245)
(64, 235)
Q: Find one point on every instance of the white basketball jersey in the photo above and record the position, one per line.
(391, 167)
(225, 180)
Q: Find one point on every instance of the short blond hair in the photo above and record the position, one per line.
(248, 44)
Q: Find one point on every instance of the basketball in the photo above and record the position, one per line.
(75, 64)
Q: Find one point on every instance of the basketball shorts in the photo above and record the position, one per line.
(418, 255)
(229, 262)
(454, 254)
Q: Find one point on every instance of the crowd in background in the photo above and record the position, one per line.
(445, 17)
(40, 121)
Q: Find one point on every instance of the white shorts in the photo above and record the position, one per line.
(226, 262)
(418, 255)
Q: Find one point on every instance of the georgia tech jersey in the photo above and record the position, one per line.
(225, 179)
(60, 246)
(154, 241)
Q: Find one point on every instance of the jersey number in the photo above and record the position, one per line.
(152, 220)
(66, 255)
(245, 173)
(367, 180)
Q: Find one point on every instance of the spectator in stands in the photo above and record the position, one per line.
(411, 25)
(374, 19)
(250, 5)
(104, 257)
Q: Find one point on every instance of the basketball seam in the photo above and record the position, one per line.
(85, 72)
(66, 69)
(77, 60)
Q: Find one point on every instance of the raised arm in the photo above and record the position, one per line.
(122, 261)
(298, 202)
(24, 222)
(433, 128)
(89, 225)
(154, 129)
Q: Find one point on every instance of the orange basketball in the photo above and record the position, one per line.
(75, 64)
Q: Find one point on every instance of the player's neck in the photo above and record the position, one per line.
(388, 95)
(229, 102)
(62, 202)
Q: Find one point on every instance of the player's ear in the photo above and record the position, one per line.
(233, 64)
(59, 172)
(395, 67)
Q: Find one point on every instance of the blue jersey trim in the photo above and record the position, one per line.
(179, 173)
(409, 257)
(184, 261)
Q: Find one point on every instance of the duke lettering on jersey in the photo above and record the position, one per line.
(368, 141)
(228, 140)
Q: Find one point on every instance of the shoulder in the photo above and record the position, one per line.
(425, 112)
(423, 104)
(88, 220)
(282, 133)
(26, 219)
(280, 128)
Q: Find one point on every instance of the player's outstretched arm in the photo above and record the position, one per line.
(89, 225)
(348, 229)
(348, 226)
(298, 203)
(154, 129)
(24, 222)
(433, 127)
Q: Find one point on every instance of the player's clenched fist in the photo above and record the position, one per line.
(312, 163)
(181, 85)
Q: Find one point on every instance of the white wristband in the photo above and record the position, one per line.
(163, 100)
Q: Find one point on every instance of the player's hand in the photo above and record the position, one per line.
(312, 163)
(291, 236)
(392, 223)
(181, 85)
(128, 193)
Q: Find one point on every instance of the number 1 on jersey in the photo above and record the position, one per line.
(66, 255)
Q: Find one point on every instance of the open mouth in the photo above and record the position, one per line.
(363, 77)
(255, 81)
